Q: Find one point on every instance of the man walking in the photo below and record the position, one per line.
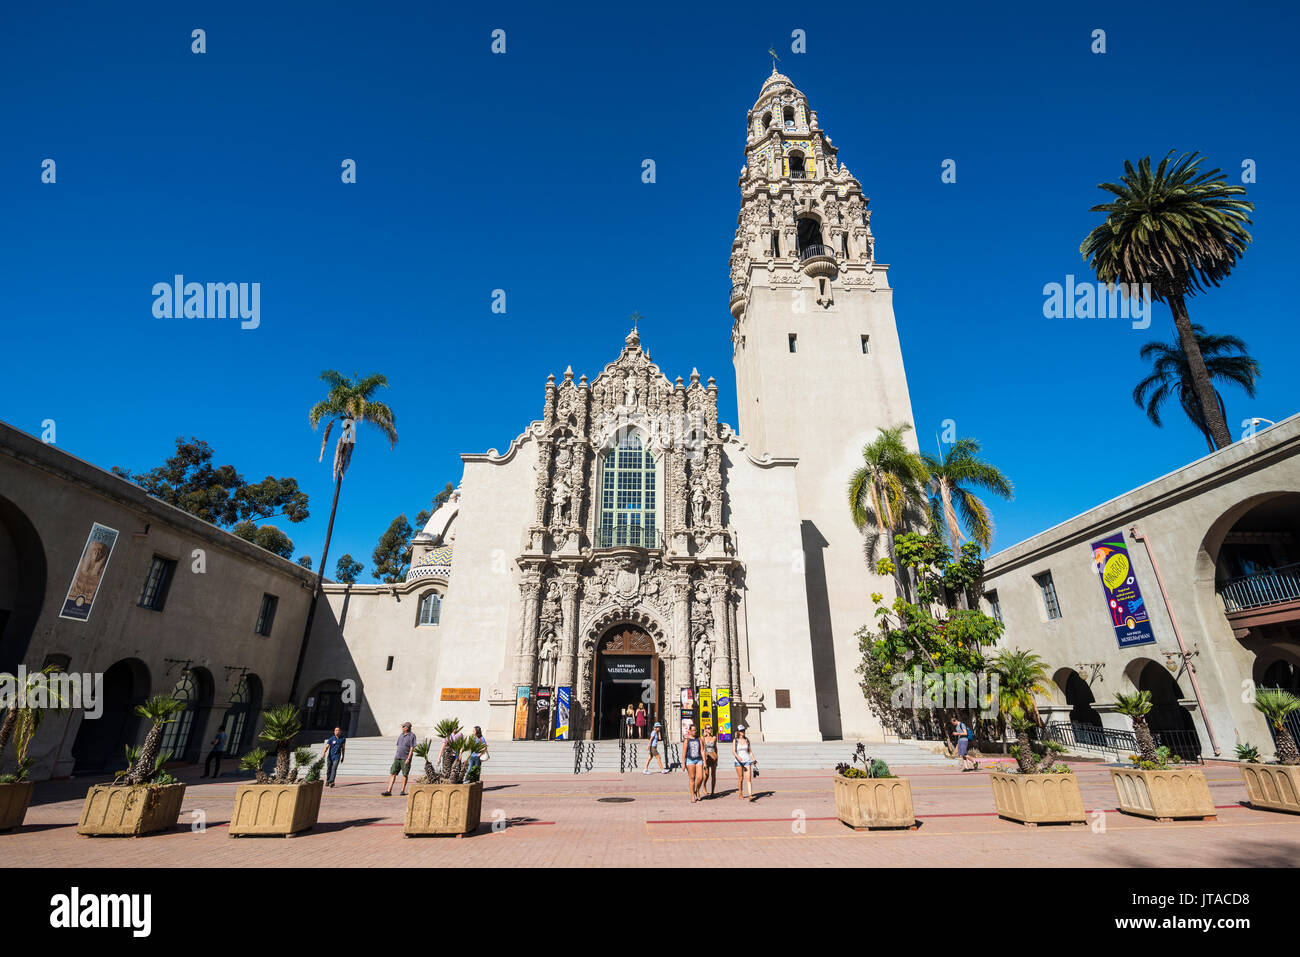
(402, 760)
(215, 750)
(962, 734)
(335, 746)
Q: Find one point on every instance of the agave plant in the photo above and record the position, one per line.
(280, 726)
(1137, 706)
(160, 710)
(465, 745)
(1275, 706)
(422, 751)
(1248, 752)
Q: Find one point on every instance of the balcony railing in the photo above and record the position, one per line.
(1087, 737)
(629, 536)
(1266, 588)
(809, 252)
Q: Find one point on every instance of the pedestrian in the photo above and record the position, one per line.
(962, 734)
(693, 758)
(640, 721)
(402, 760)
(655, 737)
(710, 758)
(476, 760)
(335, 746)
(628, 722)
(215, 750)
(746, 761)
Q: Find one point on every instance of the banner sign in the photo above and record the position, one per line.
(624, 668)
(562, 712)
(542, 727)
(1128, 611)
(521, 711)
(460, 694)
(90, 573)
(688, 710)
(724, 714)
(706, 708)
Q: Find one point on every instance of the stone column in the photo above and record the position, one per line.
(530, 587)
(566, 673)
(722, 677)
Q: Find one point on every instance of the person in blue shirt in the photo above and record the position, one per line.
(215, 750)
(335, 746)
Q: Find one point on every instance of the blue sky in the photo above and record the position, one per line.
(522, 172)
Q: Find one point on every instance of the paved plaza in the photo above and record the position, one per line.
(546, 820)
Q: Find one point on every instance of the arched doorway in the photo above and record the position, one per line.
(100, 742)
(181, 737)
(626, 672)
(22, 583)
(240, 719)
(325, 707)
(1167, 714)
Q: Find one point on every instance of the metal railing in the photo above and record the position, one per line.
(634, 536)
(808, 252)
(1089, 737)
(1265, 588)
(737, 292)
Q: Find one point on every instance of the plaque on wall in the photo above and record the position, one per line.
(460, 694)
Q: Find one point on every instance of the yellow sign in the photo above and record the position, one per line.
(460, 694)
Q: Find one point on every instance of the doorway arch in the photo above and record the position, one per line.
(22, 583)
(240, 720)
(627, 671)
(1167, 713)
(100, 743)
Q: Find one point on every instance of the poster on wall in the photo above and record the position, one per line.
(1128, 610)
(521, 711)
(90, 573)
(562, 712)
(724, 714)
(688, 710)
(706, 708)
(542, 725)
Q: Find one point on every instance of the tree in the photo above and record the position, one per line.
(1021, 676)
(347, 569)
(1179, 230)
(953, 479)
(392, 556)
(1137, 706)
(889, 483)
(422, 517)
(1275, 706)
(305, 562)
(265, 536)
(350, 403)
(158, 710)
(1226, 359)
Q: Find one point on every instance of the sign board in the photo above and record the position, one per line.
(522, 696)
(542, 707)
(90, 573)
(688, 710)
(706, 708)
(625, 668)
(1128, 610)
(562, 697)
(724, 714)
(460, 694)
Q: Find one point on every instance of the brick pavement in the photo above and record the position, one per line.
(559, 820)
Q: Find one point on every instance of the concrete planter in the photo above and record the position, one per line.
(112, 809)
(280, 809)
(1164, 795)
(1034, 799)
(14, 799)
(443, 808)
(864, 803)
(1274, 787)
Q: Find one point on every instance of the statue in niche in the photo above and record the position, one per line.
(560, 500)
(699, 505)
(629, 393)
(703, 662)
(546, 661)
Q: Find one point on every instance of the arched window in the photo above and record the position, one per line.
(629, 495)
(789, 116)
(767, 119)
(176, 733)
(430, 609)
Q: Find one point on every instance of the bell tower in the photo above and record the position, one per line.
(818, 365)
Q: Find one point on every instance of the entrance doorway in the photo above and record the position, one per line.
(627, 673)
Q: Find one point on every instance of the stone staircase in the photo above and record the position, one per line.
(372, 757)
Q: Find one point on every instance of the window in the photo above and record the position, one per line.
(629, 496)
(176, 733)
(794, 342)
(390, 663)
(866, 345)
(430, 609)
(788, 116)
(995, 606)
(1048, 588)
(266, 616)
(154, 594)
(767, 119)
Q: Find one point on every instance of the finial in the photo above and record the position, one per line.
(771, 51)
(568, 374)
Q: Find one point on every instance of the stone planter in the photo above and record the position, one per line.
(280, 809)
(443, 808)
(14, 799)
(865, 803)
(112, 809)
(1164, 795)
(1034, 799)
(1274, 787)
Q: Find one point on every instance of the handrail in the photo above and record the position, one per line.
(1270, 587)
(808, 252)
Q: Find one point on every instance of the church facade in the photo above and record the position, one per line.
(628, 548)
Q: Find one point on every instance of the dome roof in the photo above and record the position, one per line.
(435, 564)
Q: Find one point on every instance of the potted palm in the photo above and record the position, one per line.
(287, 802)
(1035, 790)
(1158, 784)
(449, 800)
(144, 798)
(1275, 787)
(20, 724)
(871, 796)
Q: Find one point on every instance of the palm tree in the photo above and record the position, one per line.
(1275, 706)
(161, 710)
(1225, 358)
(1021, 676)
(890, 482)
(1178, 229)
(280, 726)
(1137, 706)
(449, 730)
(954, 478)
(350, 404)
(35, 684)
